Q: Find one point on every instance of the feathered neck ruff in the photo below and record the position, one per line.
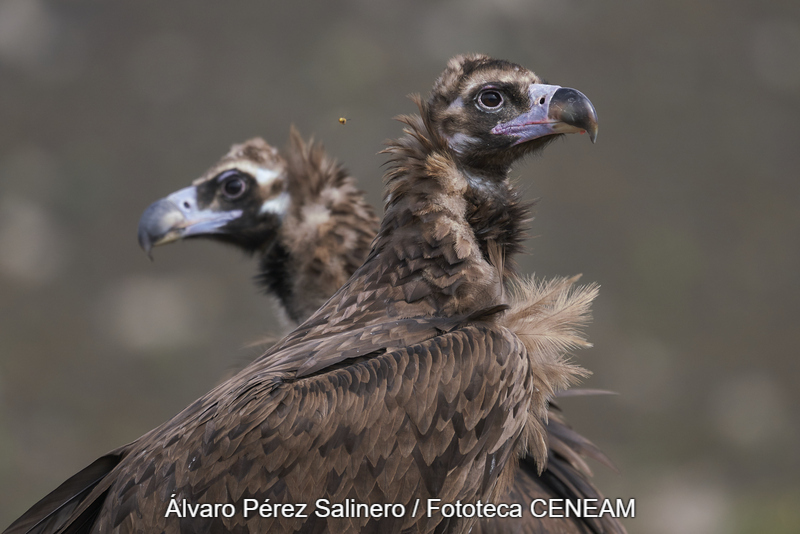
(324, 237)
(423, 169)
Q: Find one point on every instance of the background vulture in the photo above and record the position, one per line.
(404, 385)
(299, 211)
(321, 232)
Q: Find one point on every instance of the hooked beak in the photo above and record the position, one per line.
(554, 110)
(176, 217)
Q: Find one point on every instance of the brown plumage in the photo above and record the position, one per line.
(404, 385)
(325, 235)
(548, 316)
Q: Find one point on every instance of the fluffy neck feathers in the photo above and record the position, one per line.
(324, 236)
(439, 211)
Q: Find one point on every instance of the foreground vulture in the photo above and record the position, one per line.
(405, 386)
(302, 214)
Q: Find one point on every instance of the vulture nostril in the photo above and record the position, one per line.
(186, 204)
(541, 100)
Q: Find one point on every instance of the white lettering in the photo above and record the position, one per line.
(173, 507)
(322, 504)
(228, 510)
(582, 508)
(628, 511)
(249, 506)
(587, 507)
(573, 507)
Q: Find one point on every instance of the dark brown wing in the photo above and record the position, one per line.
(527, 487)
(432, 419)
(566, 477)
(58, 506)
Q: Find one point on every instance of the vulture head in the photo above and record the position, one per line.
(298, 210)
(491, 112)
(240, 200)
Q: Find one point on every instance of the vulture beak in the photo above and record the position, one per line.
(176, 217)
(554, 110)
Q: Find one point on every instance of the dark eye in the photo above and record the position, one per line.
(490, 99)
(234, 187)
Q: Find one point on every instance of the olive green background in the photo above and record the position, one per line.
(685, 211)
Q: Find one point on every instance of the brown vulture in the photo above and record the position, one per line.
(404, 387)
(301, 213)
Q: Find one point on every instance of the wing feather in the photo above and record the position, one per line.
(377, 429)
(57, 507)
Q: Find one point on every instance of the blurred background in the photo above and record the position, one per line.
(685, 211)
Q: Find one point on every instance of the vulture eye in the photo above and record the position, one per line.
(490, 100)
(234, 187)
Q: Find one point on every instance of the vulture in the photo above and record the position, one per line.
(322, 232)
(299, 211)
(406, 386)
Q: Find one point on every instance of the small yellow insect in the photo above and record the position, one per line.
(342, 120)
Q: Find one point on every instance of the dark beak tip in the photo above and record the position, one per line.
(145, 243)
(574, 108)
(156, 221)
(592, 122)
